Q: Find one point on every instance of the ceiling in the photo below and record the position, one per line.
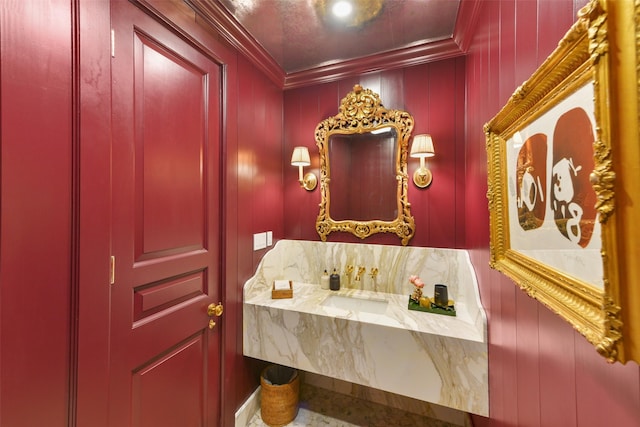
(299, 42)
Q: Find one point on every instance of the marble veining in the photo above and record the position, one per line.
(435, 358)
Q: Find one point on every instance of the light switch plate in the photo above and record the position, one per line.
(259, 241)
(269, 238)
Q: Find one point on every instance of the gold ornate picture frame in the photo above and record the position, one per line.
(564, 180)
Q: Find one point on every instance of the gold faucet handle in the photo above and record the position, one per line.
(349, 269)
(374, 272)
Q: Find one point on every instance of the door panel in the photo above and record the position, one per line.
(165, 361)
(171, 209)
(171, 377)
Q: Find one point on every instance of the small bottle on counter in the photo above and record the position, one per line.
(324, 280)
(334, 281)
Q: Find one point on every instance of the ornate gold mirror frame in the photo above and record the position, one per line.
(563, 158)
(361, 112)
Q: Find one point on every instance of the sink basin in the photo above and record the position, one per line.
(375, 306)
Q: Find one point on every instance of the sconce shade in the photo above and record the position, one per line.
(422, 146)
(300, 157)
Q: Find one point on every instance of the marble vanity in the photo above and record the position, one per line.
(364, 333)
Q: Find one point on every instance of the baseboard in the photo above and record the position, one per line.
(248, 409)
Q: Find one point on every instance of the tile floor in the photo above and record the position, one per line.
(320, 407)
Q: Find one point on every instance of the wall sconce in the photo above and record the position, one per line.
(301, 158)
(422, 148)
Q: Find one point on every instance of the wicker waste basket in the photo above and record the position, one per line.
(279, 395)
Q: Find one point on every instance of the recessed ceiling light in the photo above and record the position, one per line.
(342, 8)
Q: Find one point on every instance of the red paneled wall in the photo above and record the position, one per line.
(36, 206)
(542, 373)
(259, 155)
(434, 95)
(259, 203)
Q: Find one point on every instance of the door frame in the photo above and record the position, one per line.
(93, 222)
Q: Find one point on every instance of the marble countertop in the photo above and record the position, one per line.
(308, 298)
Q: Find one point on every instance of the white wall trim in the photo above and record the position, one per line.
(248, 409)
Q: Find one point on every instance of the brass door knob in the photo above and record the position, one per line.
(215, 309)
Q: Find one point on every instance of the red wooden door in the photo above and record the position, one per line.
(164, 357)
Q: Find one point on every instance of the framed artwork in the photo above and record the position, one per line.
(564, 180)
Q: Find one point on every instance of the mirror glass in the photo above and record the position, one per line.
(363, 169)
